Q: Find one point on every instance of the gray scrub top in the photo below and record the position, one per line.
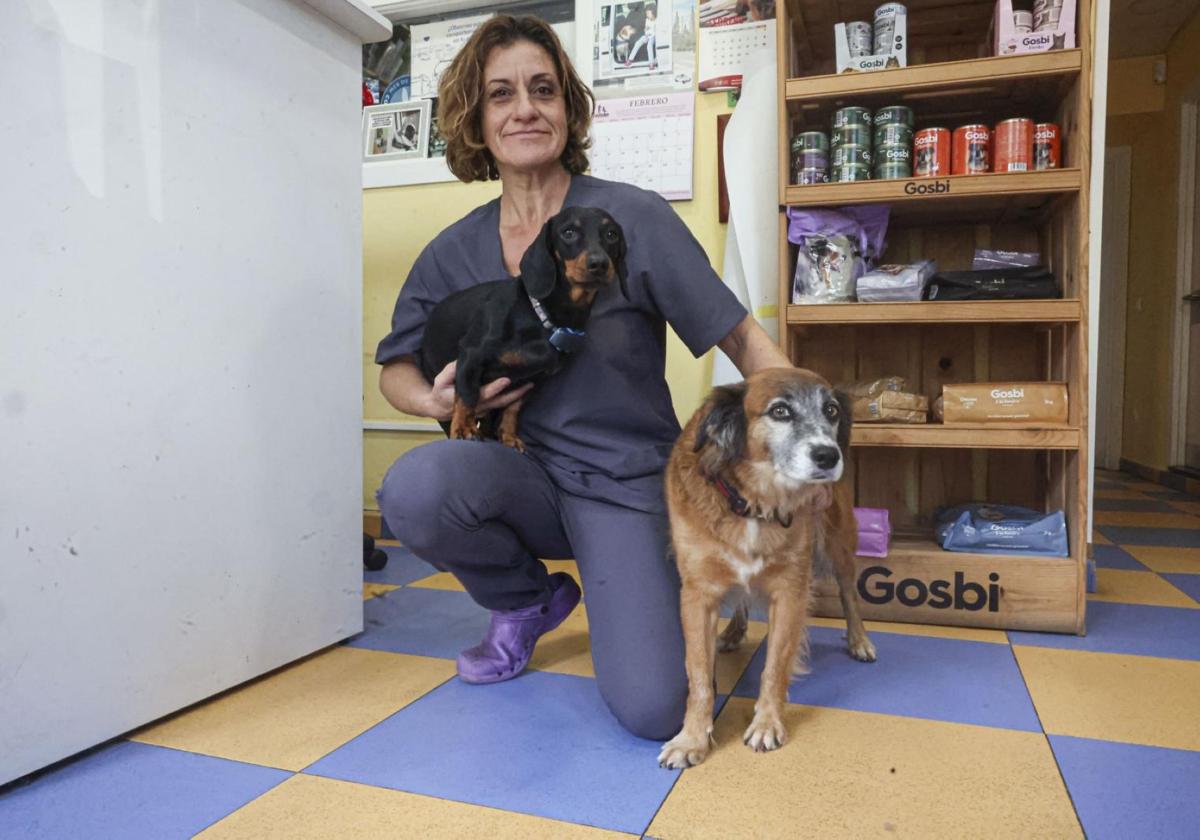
(604, 425)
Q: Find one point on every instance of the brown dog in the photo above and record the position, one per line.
(754, 495)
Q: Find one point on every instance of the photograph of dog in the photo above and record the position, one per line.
(756, 503)
(523, 328)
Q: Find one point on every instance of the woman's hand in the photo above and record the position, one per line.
(491, 396)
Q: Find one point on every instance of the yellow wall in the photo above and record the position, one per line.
(1154, 138)
(399, 222)
(1131, 86)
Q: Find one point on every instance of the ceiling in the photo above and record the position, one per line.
(1144, 27)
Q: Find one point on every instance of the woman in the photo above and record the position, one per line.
(598, 433)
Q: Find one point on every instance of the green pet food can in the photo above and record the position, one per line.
(893, 134)
(892, 114)
(851, 156)
(854, 134)
(852, 172)
(852, 115)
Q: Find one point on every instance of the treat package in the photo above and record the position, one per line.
(1036, 283)
(874, 387)
(890, 407)
(1001, 529)
(835, 247)
(987, 258)
(895, 282)
(874, 530)
(1005, 402)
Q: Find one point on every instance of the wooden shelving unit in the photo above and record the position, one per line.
(914, 469)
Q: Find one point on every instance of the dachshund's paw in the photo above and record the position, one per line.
(683, 751)
(766, 732)
(862, 649)
(512, 441)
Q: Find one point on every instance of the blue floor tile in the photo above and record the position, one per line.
(132, 790)
(1174, 537)
(1172, 495)
(1188, 583)
(403, 567)
(1115, 557)
(1140, 505)
(1123, 791)
(426, 622)
(915, 676)
(541, 744)
(1171, 632)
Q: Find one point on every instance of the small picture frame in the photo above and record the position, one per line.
(396, 130)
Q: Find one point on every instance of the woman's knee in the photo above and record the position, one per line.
(652, 712)
(416, 488)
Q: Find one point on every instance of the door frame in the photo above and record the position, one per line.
(1185, 238)
(1114, 274)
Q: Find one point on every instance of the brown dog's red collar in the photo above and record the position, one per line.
(738, 504)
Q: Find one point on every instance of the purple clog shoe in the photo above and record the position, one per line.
(508, 645)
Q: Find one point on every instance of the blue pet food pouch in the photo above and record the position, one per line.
(1002, 529)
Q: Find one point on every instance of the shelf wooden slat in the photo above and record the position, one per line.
(923, 312)
(992, 185)
(964, 436)
(946, 75)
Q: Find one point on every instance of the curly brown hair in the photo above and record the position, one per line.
(460, 98)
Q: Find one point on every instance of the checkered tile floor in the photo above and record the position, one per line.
(951, 733)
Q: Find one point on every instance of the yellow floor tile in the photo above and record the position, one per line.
(312, 807)
(374, 590)
(1187, 507)
(1143, 519)
(1126, 586)
(1100, 539)
(970, 634)
(1167, 559)
(447, 581)
(387, 543)
(855, 774)
(1114, 697)
(300, 713)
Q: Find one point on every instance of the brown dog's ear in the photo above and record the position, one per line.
(722, 432)
(845, 421)
(539, 269)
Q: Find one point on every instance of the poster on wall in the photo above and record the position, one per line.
(634, 38)
(730, 31)
(645, 141)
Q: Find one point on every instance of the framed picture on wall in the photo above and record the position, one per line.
(396, 130)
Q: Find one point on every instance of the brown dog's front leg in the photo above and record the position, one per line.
(463, 423)
(786, 633)
(700, 610)
(508, 427)
(860, 645)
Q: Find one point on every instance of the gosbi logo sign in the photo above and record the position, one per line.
(876, 586)
(914, 188)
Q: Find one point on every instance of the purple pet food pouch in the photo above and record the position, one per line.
(874, 529)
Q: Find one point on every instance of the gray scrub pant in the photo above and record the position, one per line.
(486, 513)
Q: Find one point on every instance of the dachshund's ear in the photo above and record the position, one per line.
(722, 432)
(845, 421)
(622, 271)
(539, 271)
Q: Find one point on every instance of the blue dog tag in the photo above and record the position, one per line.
(567, 340)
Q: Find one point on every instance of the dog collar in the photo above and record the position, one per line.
(741, 507)
(562, 339)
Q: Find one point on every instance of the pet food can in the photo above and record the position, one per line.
(891, 155)
(931, 153)
(1022, 22)
(851, 156)
(971, 153)
(885, 26)
(810, 159)
(1013, 149)
(1047, 146)
(891, 171)
(810, 141)
(852, 172)
(892, 114)
(812, 176)
(859, 38)
(893, 134)
(854, 134)
(850, 116)
(1043, 5)
(1046, 20)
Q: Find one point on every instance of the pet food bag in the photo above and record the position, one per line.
(895, 282)
(835, 247)
(874, 531)
(873, 387)
(1016, 283)
(1002, 529)
(890, 407)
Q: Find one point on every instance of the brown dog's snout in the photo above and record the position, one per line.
(825, 457)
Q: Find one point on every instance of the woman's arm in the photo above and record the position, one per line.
(405, 387)
(750, 348)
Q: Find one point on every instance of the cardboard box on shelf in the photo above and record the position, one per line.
(1007, 41)
(896, 56)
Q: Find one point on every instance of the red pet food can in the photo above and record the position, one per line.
(1047, 146)
(931, 153)
(1013, 150)
(972, 150)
